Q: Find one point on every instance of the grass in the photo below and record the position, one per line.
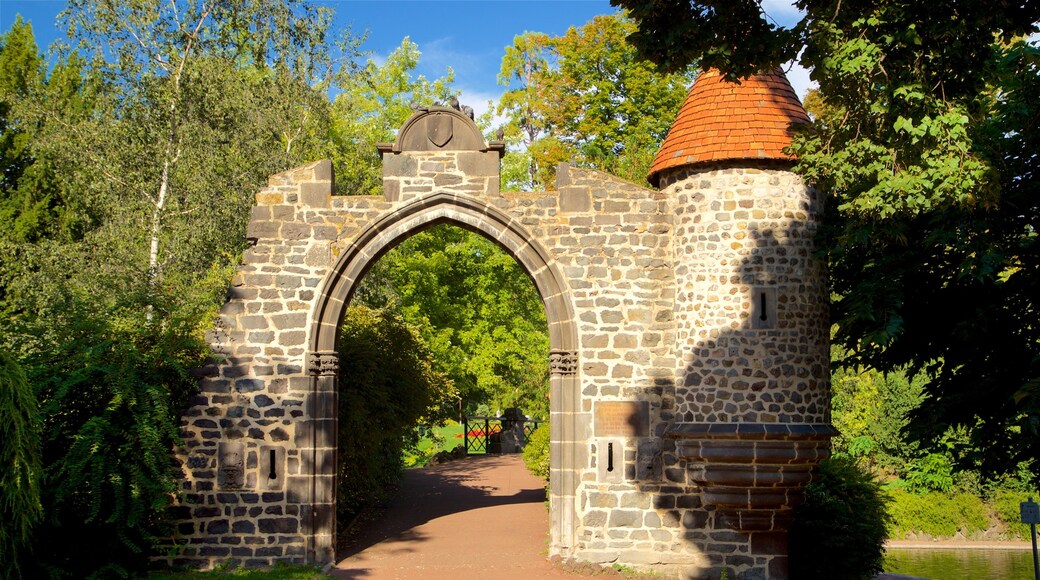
(277, 572)
(444, 438)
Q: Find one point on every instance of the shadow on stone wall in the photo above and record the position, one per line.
(748, 418)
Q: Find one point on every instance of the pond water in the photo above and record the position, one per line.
(976, 564)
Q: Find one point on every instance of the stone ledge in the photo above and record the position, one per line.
(745, 431)
(752, 473)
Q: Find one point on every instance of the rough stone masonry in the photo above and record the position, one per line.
(688, 367)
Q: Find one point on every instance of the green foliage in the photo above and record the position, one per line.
(375, 101)
(110, 387)
(1006, 504)
(840, 529)
(932, 472)
(536, 452)
(127, 179)
(476, 309)
(197, 104)
(925, 139)
(936, 514)
(584, 97)
(871, 410)
(20, 466)
(387, 385)
(37, 201)
(280, 571)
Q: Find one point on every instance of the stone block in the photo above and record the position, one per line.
(290, 321)
(769, 543)
(217, 527)
(625, 519)
(476, 163)
(262, 230)
(391, 189)
(298, 489)
(575, 199)
(293, 231)
(317, 432)
(279, 525)
(447, 180)
(397, 165)
(315, 194)
(243, 527)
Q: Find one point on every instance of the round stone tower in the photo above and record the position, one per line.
(752, 383)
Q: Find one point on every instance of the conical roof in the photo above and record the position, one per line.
(722, 121)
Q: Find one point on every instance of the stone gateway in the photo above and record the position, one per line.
(688, 331)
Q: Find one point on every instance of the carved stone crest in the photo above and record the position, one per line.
(231, 466)
(563, 362)
(439, 129)
(323, 363)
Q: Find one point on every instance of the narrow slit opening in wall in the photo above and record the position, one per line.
(763, 307)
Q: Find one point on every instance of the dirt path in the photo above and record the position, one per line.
(475, 518)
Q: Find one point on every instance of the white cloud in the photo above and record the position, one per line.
(440, 54)
(479, 101)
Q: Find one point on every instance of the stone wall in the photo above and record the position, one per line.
(684, 423)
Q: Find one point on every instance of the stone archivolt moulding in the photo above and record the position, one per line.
(753, 474)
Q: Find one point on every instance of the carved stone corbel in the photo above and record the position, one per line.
(563, 362)
(323, 363)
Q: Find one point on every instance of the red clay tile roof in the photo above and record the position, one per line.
(723, 121)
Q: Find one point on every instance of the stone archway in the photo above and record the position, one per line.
(689, 355)
(334, 296)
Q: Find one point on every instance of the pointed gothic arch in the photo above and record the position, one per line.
(334, 297)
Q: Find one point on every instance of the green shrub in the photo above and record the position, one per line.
(20, 466)
(1006, 504)
(936, 514)
(839, 531)
(110, 385)
(536, 452)
(931, 472)
(387, 384)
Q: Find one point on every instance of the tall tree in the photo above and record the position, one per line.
(585, 97)
(36, 200)
(927, 145)
(162, 135)
(476, 309)
(203, 100)
(373, 103)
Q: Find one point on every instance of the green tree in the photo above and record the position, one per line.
(872, 410)
(21, 466)
(478, 311)
(585, 97)
(387, 385)
(202, 101)
(35, 197)
(163, 135)
(927, 146)
(840, 529)
(375, 101)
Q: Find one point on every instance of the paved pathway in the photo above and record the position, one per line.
(478, 518)
(474, 518)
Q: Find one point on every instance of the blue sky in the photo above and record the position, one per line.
(469, 36)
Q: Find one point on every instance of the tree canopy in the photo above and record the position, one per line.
(925, 139)
(128, 171)
(584, 97)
